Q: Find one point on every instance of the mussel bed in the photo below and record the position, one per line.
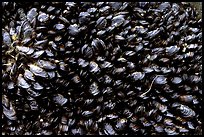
(101, 68)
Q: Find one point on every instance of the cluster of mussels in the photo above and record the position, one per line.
(73, 68)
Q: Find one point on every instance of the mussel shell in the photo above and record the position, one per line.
(29, 75)
(91, 10)
(172, 49)
(10, 112)
(37, 71)
(93, 89)
(159, 129)
(87, 113)
(106, 64)
(43, 17)
(46, 64)
(176, 80)
(60, 99)
(161, 80)
(137, 76)
(77, 131)
(118, 20)
(121, 123)
(87, 51)
(37, 86)
(101, 23)
(98, 44)
(170, 130)
(24, 49)
(59, 27)
(6, 38)
(33, 105)
(152, 34)
(186, 111)
(164, 6)
(93, 67)
(115, 5)
(32, 13)
(108, 129)
(73, 30)
(84, 17)
(10, 85)
(37, 54)
(50, 9)
(190, 125)
(22, 82)
(148, 69)
(40, 44)
(33, 93)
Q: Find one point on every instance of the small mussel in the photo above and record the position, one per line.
(108, 129)
(118, 20)
(87, 51)
(84, 17)
(186, 111)
(22, 82)
(46, 64)
(32, 14)
(29, 75)
(93, 89)
(59, 27)
(186, 98)
(137, 76)
(59, 99)
(101, 23)
(37, 71)
(43, 17)
(176, 80)
(121, 123)
(94, 68)
(161, 80)
(73, 30)
(25, 50)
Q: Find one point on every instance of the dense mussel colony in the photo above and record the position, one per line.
(113, 68)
